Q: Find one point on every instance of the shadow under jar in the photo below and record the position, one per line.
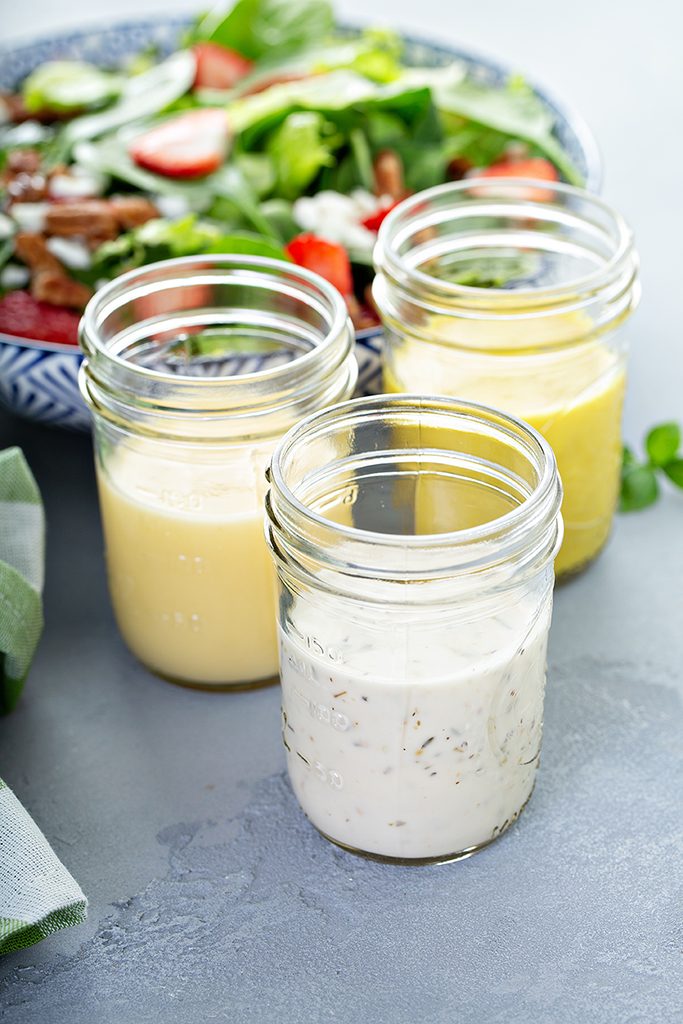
(414, 541)
(194, 369)
(513, 294)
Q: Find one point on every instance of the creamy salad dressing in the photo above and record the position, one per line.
(573, 396)
(191, 579)
(414, 741)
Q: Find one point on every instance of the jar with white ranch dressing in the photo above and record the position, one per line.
(194, 369)
(414, 541)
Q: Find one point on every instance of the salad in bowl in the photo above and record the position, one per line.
(264, 130)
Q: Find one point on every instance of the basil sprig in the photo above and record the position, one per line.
(640, 478)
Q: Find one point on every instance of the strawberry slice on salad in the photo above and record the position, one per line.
(188, 146)
(375, 220)
(26, 317)
(328, 259)
(218, 67)
(527, 167)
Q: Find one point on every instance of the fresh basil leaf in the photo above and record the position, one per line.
(639, 488)
(662, 443)
(628, 458)
(265, 28)
(674, 471)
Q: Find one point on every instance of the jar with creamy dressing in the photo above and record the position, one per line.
(514, 294)
(194, 369)
(414, 541)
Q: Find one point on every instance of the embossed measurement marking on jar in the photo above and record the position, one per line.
(317, 645)
(193, 563)
(182, 620)
(323, 713)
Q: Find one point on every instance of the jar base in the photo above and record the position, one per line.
(190, 684)
(444, 858)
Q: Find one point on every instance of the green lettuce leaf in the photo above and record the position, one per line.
(267, 28)
(299, 148)
(163, 239)
(66, 85)
(511, 111)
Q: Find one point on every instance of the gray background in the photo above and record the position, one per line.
(210, 896)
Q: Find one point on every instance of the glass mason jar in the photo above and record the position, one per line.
(414, 541)
(513, 294)
(194, 369)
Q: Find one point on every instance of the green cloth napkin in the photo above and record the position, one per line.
(22, 560)
(38, 896)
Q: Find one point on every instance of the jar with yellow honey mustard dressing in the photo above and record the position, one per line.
(514, 294)
(194, 369)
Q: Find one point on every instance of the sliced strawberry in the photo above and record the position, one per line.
(24, 317)
(374, 221)
(528, 167)
(328, 259)
(188, 146)
(218, 67)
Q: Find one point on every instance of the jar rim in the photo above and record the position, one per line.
(536, 514)
(502, 191)
(302, 312)
(89, 335)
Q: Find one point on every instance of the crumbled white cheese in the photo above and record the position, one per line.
(29, 216)
(77, 184)
(71, 252)
(14, 276)
(337, 217)
(172, 207)
(26, 134)
(7, 227)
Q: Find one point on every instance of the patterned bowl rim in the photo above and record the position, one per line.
(562, 110)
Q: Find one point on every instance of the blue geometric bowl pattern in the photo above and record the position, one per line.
(38, 380)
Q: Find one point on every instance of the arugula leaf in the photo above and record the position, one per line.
(66, 85)
(662, 443)
(260, 28)
(299, 148)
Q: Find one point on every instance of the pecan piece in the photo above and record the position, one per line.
(389, 174)
(27, 188)
(22, 161)
(132, 211)
(32, 250)
(89, 218)
(57, 288)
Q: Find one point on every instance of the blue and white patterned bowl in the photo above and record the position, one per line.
(38, 380)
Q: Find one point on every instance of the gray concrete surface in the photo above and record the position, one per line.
(211, 897)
